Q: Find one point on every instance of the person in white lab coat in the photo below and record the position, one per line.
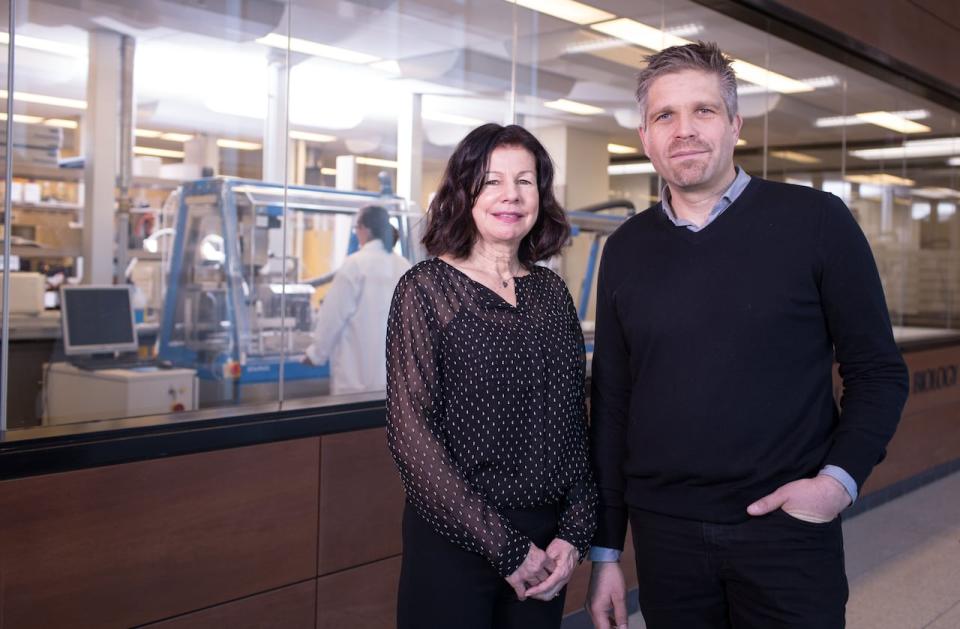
(351, 326)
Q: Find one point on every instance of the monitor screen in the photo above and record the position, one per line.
(97, 319)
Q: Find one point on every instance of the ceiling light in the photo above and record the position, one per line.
(568, 10)
(942, 147)
(841, 121)
(794, 156)
(61, 122)
(684, 30)
(771, 80)
(275, 40)
(147, 150)
(311, 137)
(240, 145)
(741, 142)
(147, 133)
(655, 39)
(46, 45)
(176, 137)
(621, 149)
(953, 161)
(880, 179)
(373, 161)
(631, 168)
(937, 193)
(639, 34)
(574, 107)
(24, 119)
(817, 82)
(390, 66)
(893, 122)
(328, 171)
(452, 119)
(40, 99)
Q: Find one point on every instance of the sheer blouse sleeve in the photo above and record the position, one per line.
(578, 520)
(434, 485)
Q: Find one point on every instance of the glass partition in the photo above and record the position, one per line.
(214, 159)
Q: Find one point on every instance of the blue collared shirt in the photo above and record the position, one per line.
(731, 194)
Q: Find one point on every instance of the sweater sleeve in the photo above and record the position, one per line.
(609, 405)
(875, 379)
(434, 485)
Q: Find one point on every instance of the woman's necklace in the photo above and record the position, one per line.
(504, 282)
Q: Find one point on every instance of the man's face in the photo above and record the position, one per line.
(687, 133)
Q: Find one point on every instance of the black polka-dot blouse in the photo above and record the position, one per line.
(486, 409)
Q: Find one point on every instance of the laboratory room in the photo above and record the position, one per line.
(191, 190)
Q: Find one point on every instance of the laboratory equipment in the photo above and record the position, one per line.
(241, 289)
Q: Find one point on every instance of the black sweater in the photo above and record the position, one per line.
(712, 365)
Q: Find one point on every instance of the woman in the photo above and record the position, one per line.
(485, 399)
(356, 306)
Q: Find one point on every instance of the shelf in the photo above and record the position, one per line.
(27, 171)
(43, 252)
(48, 207)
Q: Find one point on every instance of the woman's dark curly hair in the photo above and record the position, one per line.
(450, 227)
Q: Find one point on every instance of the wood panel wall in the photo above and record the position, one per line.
(291, 534)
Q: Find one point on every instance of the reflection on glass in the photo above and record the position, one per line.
(315, 95)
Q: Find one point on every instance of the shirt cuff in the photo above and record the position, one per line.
(840, 475)
(601, 554)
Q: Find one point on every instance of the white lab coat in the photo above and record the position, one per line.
(351, 327)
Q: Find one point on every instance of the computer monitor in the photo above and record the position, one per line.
(97, 320)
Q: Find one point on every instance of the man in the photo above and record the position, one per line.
(351, 328)
(720, 311)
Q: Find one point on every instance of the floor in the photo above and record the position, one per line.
(903, 562)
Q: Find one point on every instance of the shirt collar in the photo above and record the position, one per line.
(731, 194)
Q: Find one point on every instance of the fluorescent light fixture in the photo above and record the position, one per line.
(937, 193)
(655, 39)
(311, 137)
(568, 10)
(941, 147)
(684, 30)
(880, 179)
(741, 142)
(390, 66)
(147, 133)
(148, 150)
(63, 123)
(920, 211)
(573, 107)
(794, 156)
(621, 149)
(23, 119)
(841, 121)
(373, 161)
(631, 168)
(893, 122)
(817, 82)
(766, 78)
(40, 99)
(240, 145)
(328, 171)
(639, 34)
(465, 121)
(46, 45)
(953, 161)
(176, 137)
(276, 40)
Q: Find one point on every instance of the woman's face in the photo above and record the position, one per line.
(509, 201)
